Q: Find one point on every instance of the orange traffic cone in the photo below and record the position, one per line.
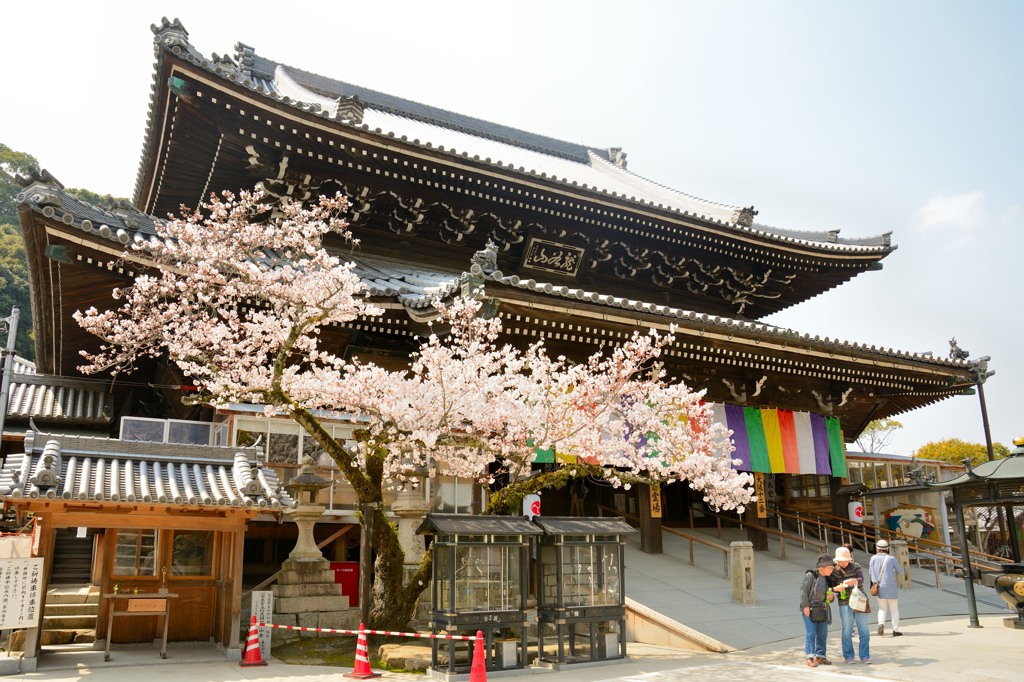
(252, 647)
(362, 668)
(478, 671)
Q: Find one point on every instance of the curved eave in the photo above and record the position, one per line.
(175, 56)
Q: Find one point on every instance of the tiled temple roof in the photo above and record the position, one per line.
(601, 171)
(56, 466)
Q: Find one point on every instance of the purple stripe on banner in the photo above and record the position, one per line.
(821, 449)
(735, 420)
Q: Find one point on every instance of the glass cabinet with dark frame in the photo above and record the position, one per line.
(581, 603)
(480, 582)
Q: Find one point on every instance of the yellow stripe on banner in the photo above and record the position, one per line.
(773, 437)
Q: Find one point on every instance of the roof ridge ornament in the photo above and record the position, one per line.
(617, 157)
(744, 216)
(350, 109)
(170, 33)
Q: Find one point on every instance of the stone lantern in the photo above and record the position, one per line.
(305, 489)
(306, 593)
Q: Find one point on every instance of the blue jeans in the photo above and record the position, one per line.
(815, 635)
(848, 617)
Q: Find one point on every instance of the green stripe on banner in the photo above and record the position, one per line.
(773, 437)
(758, 445)
(541, 455)
(836, 449)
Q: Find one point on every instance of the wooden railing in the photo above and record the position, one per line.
(686, 536)
(941, 553)
(780, 534)
(320, 545)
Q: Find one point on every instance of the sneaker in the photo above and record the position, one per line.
(897, 633)
(866, 661)
(822, 661)
(881, 630)
(811, 663)
(851, 660)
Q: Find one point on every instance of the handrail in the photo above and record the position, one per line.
(323, 543)
(886, 532)
(782, 535)
(601, 508)
(951, 559)
(692, 539)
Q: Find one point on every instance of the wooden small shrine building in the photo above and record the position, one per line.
(575, 247)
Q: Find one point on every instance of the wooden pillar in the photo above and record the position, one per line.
(649, 507)
(47, 534)
(755, 535)
(235, 585)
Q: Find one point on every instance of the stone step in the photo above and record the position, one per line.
(53, 638)
(78, 594)
(69, 622)
(86, 609)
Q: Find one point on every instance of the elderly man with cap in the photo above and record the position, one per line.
(815, 595)
(847, 575)
(884, 568)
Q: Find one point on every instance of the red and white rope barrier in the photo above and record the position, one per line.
(389, 633)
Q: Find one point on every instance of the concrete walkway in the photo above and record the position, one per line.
(700, 596)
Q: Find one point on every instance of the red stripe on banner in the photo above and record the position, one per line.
(790, 449)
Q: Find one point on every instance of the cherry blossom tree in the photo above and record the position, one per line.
(239, 297)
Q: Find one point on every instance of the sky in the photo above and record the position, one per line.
(874, 116)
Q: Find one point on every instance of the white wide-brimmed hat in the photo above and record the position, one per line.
(843, 554)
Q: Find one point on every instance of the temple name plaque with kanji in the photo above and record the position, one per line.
(548, 256)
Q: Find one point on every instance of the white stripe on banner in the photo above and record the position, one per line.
(718, 417)
(805, 442)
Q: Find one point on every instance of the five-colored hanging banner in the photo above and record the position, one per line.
(769, 440)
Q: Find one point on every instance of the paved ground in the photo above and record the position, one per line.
(700, 596)
(932, 650)
(938, 644)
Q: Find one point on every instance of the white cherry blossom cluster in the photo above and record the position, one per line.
(238, 298)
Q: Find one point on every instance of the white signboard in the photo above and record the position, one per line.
(263, 609)
(21, 592)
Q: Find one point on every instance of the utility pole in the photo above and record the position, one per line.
(8, 365)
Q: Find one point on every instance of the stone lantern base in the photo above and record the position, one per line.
(307, 596)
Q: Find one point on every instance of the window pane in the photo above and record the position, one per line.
(188, 433)
(135, 553)
(149, 430)
(283, 448)
(192, 553)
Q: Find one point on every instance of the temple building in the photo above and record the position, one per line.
(577, 248)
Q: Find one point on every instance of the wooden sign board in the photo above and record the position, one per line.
(146, 605)
(762, 499)
(655, 500)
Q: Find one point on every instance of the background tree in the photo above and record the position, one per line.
(14, 290)
(238, 302)
(955, 451)
(877, 435)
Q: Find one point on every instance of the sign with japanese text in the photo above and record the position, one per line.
(562, 259)
(263, 609)
(21, 591)
(762, 498)
(655, 500)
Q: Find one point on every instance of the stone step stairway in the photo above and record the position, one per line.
(72, 558)
(69, 617)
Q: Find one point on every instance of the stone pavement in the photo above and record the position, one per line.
(932, 650)
(767, 638)
(700, 596)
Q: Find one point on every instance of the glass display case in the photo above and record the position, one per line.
(581, 605)
(480, 581)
